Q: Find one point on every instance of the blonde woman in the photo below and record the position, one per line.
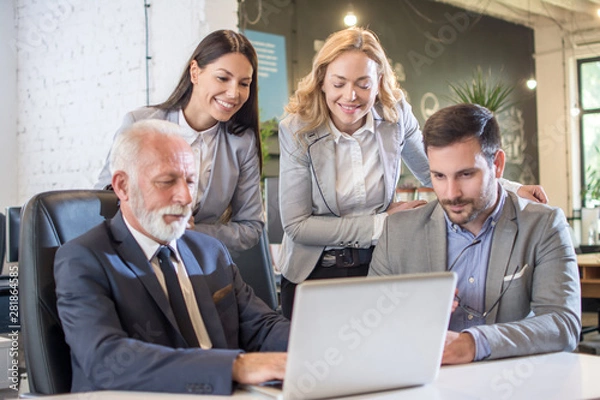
(348, 129)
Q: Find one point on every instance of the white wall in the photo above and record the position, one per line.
(558, 130)
(552, 121)
(185, 25)
(8, 106)
(81, 67)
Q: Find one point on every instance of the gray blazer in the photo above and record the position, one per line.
(309, 210)
(234, 180)
(540, 312)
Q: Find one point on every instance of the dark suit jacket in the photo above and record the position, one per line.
(122, 331)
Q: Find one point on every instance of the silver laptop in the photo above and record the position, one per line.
(360, 335)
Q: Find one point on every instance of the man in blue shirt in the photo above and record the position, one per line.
(518, 287)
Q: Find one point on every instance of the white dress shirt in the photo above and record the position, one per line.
(204, 145)
(360, 187)
(150, 247)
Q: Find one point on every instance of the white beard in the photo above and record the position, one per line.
(154, 223)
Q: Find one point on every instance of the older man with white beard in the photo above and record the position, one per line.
(148, 305)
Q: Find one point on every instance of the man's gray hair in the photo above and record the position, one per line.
(128, 145)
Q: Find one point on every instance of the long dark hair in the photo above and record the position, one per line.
(213, 46)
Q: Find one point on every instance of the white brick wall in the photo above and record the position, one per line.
(81, 67)
(195, 19)
(221, 15)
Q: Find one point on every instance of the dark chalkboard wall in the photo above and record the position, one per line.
(429, 44)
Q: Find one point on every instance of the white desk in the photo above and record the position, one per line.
(560, 376)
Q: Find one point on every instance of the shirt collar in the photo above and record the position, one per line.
(491, 221)
(369, 126)
(190, 134)
(149, 246)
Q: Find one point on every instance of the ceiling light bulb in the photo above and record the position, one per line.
(350, 19)
(531, 83)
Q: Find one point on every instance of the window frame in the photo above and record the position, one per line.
(583, 112)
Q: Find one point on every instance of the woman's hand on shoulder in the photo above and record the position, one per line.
(534, 193)
(404, 205)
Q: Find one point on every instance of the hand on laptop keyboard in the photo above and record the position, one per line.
(256, 368)
(459, 348)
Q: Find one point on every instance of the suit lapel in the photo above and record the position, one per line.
(208, 311)
(221, 162)
(436, 240)
(505, 234)
(389, 153)
(321, 153)
(135, 259)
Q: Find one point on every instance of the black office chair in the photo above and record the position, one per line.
(4, 283)
(10, 248)
(13, 229)
(256, 270)
(2, 238)
(49, 220)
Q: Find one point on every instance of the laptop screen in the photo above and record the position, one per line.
(361, 335)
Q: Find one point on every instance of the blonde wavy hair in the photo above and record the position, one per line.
(308, 102)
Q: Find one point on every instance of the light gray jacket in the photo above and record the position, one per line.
(234, 179)
(540, 312)
(307, 196)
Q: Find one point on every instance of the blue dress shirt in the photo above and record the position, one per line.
(468, 256)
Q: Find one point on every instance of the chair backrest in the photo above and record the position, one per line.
(256, 270)
(274, 227)
(49, 220)
(13, 229)
(7, 320)
(2, 238)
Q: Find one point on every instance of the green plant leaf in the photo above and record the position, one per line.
(591, 191)
(482, 90)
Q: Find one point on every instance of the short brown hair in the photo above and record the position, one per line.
(461, 122)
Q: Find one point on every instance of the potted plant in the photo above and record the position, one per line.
(268, 138)
(267, 128)
(591, 192)
(497, 96)
(483, 90)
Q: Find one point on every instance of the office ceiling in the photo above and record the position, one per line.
(569, 15)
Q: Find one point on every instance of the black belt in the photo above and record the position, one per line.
(347, 257)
